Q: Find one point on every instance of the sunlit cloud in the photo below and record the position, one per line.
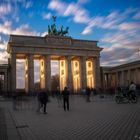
(4, 57)
(24, 29)
(74, 10)
(137, 15)
(3, 46)
(57, 5)
(110, 21)
(5, 9)
(47, 16)
(129, 26)
(44, 33)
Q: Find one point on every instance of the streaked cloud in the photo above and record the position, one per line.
(137, 15)
(44, 33)
(4, 57)
(129, 26)
(57, 5)
(3, 45)
(115, 20)
(47, 15)
(28, 4)
(5, 8)
(121, 47)
(24, 29)
(74, 10)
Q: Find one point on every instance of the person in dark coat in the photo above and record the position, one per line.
(43, 99)
(65, 94)
(88, 92)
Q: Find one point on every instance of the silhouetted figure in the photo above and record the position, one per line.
(132, 89)
(43, 99)
(58, 96)
(88, 92)
(65, 94)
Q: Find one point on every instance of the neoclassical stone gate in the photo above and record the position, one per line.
(79, 61)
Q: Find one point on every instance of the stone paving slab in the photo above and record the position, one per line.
(7, 126)
(96, 120)
(3, 132)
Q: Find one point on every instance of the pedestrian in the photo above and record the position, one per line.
(58, 96)
(43, 99)
(65, 94)
(132, 89)
(88, 92)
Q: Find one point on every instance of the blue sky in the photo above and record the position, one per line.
(114, 23)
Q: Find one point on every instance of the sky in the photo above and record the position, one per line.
(114, 23)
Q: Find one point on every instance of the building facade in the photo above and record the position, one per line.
(4, 78)
(120, 75)
(79, 61)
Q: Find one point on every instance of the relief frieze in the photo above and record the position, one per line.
(58, 41)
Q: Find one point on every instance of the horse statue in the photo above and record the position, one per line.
(65, 31)
(60, 31)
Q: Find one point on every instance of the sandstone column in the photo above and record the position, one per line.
(136, 74)
(31, 72)
(5, 81)
(96, 72)
(13, 72)
(122, 78)
(128, 76)
(138, 77)
(69, 73)
(47, 72)
(117, 80)
(83, 73)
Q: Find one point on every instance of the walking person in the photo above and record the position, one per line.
(132, 89)
(58, 96)
(65, 94)
(43, 99)
(88, 92)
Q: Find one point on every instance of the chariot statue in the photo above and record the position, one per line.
(52, 29)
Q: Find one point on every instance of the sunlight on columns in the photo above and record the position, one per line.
(26, 68)
(62, 68)
(89, 73)
(42, 77)
(76, 75)
(26, 74)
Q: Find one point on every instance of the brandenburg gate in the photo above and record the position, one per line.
(79, 60)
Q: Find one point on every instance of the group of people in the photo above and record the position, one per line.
(130, 89)
(43, 99)
(89, 91)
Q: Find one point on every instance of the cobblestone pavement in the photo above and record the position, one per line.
(100, 119)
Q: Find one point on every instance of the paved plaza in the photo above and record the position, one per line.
(100, 119)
